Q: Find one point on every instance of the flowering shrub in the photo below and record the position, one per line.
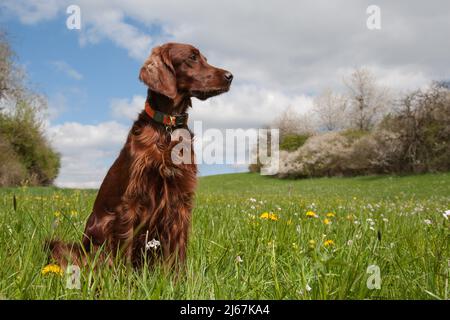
(321, 155)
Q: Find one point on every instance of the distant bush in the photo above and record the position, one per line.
(354, 134)
(321, 155)
(423, 127)
(26, 148)
(12, 171)
(25, 154)
(292, 142)
(375, 153)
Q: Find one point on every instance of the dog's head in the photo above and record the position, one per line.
(176, 69)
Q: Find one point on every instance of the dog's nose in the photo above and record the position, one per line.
(228, 76)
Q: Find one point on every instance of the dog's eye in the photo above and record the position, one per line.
(193, 57)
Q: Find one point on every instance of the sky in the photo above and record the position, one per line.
(281, 53)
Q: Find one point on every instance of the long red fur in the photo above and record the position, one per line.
(145, 195)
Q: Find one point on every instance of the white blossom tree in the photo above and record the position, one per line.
(367, 101)
(329, 109)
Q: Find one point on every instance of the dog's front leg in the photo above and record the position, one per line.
(174, 236)
(124, 230)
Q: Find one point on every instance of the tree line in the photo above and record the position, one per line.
(367, 129)
(26, 156)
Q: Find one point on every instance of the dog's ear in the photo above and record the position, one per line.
(158, 73)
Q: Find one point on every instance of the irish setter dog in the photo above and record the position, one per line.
(146, 195)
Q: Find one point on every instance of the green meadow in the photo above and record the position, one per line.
(253, 237)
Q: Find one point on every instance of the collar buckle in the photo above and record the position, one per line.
(173, 120)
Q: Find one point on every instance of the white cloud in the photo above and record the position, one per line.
(73, 135)
(87, 151)
(284, 45)
(109, 23)
(125, 108)
(30, 12)
(65, 68)
(246, 106)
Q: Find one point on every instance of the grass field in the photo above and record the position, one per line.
(315, 241)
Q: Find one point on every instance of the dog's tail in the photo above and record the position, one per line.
(65, 253)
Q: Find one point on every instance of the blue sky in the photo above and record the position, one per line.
(282, 54)
(107, 71)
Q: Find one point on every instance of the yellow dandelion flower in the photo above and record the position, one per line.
(328, 243)
(311, 214)
(52, 268)
(326, 221)
(269, 216)
(331, 214)
(57, 214)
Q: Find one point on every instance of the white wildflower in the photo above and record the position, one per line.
(152, 244)
(446, 214)
(428, 221)
(239, 259)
